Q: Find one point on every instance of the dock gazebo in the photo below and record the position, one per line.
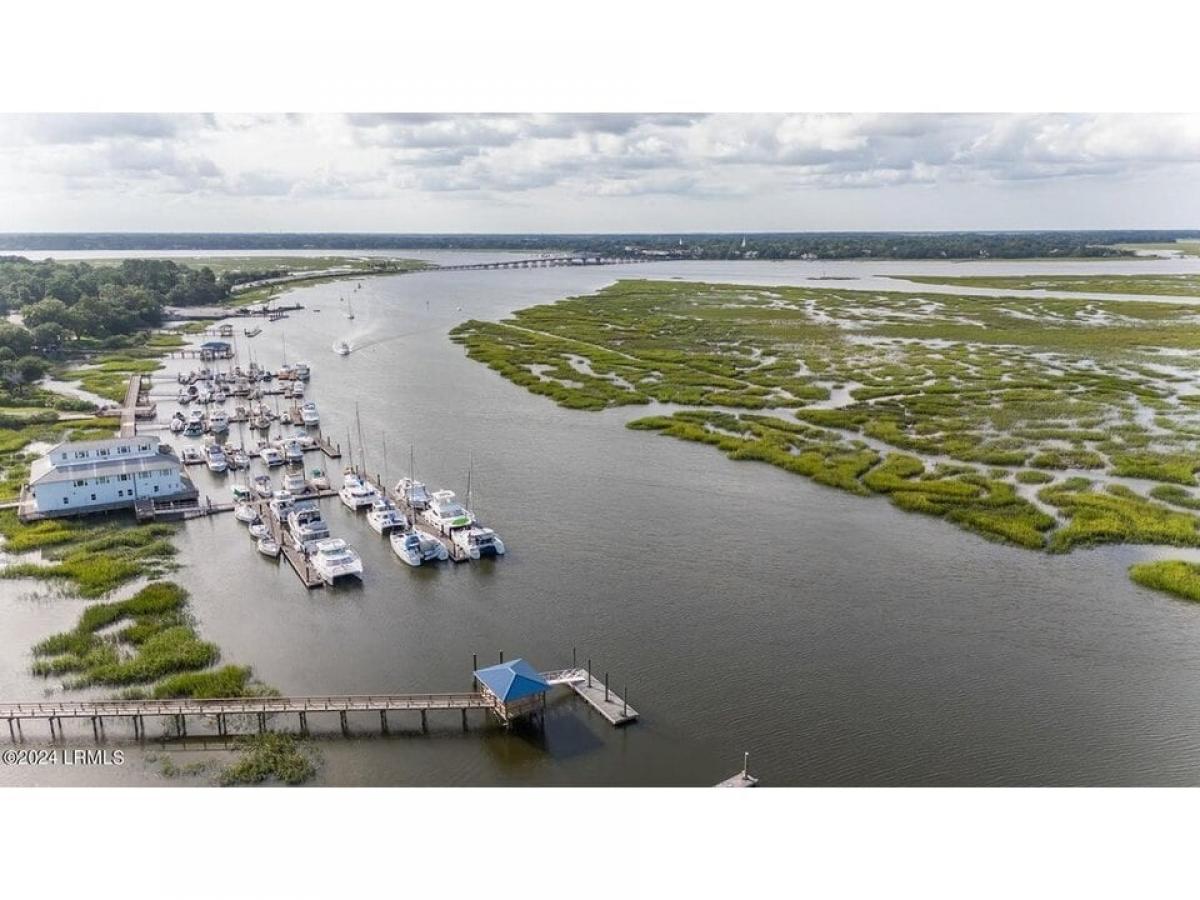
(514, 689)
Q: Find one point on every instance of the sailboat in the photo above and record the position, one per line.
(349, 310)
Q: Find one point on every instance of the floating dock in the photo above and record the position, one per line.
(742, 779)
(595, 693)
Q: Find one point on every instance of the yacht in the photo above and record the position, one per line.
(341, 348)
(415, 548)
(303, 371)
(281, 503)
(445, 513)
(271, 456)
(385, 518)
(296, 390)
(295, 483)
(334, 559)
(414, 493)
(308, 414)
(358, 495)
(262, 485)
(305, 523)
(293, 453)
(267, 546)
(245, 513)
(241, 459)
(215, 457)
(477, 542)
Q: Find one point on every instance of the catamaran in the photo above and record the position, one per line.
(446, 513)
(384, 517)
(334, 559)
(305, 523)
(357, 494)
(477, 542)
(415, 548)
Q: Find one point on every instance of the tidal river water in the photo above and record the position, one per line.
(839, 640)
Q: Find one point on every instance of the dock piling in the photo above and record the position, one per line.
(605, 687)
(424, 723)
(95, 730)
(345, 724)
(589, 671)
(304, 723)
(464, 718)
(383, 722)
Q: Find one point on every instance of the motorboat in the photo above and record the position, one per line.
(252, 332)
(190, 455)
(309, 415)
(219, 396)
(267, 546)
(184, 396)
(477, 542)
(318, 479)
(260, 530)
(215, 457)
(293, 453)
(303, 371)
(241, 493)
(178, 423)
(384, 517)
(296, 389)
(356, 496)
(415, 548)
(281, 503)
(414, 493)
(271, 456)
(262, 485)
(195, 424)
(341, 348)
(305, 523)
(246, 514)
(218, 422)
(240, 459)
(334, 559)
(295, 483)
(445, 512)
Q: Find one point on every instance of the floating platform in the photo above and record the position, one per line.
(595, 693)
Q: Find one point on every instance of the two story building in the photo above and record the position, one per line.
(81, 477)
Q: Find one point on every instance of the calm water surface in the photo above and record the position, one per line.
(841, 641)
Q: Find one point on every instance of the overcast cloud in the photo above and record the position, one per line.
(596, 172)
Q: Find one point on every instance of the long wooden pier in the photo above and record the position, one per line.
(219, 710)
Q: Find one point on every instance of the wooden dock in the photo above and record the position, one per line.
(742, 779)
(595, 693)
(288, 548)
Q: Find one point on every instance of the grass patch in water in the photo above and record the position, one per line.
(1171, 576)
(270, 757)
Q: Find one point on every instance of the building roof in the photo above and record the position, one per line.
(42, 471)
(101, 443)
(513, 680)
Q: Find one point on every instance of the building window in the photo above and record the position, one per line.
(66, 499)
(81, 483)
(93, 496)
(102, 451)
(124, 448)
(124, 477)
(156, 489)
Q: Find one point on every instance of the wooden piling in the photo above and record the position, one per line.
(304, 723)
(383, 722)
(424, 723)
(345, 724)
(464, 717)
(605, 687)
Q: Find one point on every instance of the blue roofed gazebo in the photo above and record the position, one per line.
(515, 688)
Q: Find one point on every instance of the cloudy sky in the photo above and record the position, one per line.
(596, 172)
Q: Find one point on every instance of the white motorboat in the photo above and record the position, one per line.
(245, 513)
(190, 455)
(271, 456)
(318, 479)
(415, 548)
(385, 518)
(293, 453)
(334, 559)
(306, 525)
(445, 512)
(267, 546)
(477, 542)
(309, 415)
(262, 485)
(178, 423)
(414, 493)
(240, 459)
(195, 424)
(295, 483)
(183, 397)
(218, 396)
(358, 495)
(259, 530)
(241, 493)
(218, 422)
(297, 389)
(341, 348)
(215, 457)
(281, 504)
(303, 371)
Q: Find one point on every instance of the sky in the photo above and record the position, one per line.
(632, 172)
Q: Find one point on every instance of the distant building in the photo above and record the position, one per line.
(515, 688)
(216, 350)
(80, 477)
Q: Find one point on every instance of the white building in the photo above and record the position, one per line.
(80, 477)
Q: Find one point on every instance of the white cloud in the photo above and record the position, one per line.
(543, 171)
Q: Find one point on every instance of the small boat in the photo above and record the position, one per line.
(218, 423)
(318, 480)
(262, 485)
(341, 348)
(183, 397)
(359, 495)
(295, 483)
(334, 559)
(191, 455)
(281, 502)
(259, 530)
(267, 546)
(293, 453)
(252, 332)
(178, 423)
(385, 518)
(215, 457)
(240, 459)
(309, 415)
(303, 370)
(416, 548)
(478, 542)
(349, 310)
(218, 396)
(241, 493)
(271, 456)
(414, 493)
(246, 514)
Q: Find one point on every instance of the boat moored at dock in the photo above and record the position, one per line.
(416, 548)
(334, 560)
(478, 542)
(384, 517)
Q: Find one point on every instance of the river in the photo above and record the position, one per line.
(839, 640)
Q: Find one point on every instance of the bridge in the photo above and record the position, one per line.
(545, 262)
(598, 695)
